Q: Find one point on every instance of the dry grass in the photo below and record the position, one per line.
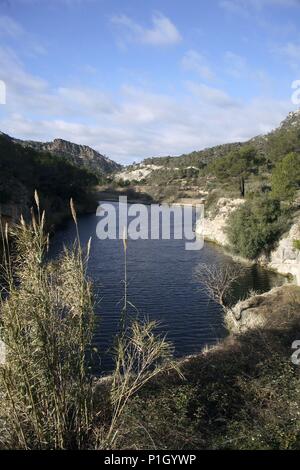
(48, 394)
(46, 325)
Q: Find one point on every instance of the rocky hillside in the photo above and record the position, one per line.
(80, 155)
(263, 144)
(24, 170)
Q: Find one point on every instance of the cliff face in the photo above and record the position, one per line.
(284, 259)
(80, 155)
(215, 223)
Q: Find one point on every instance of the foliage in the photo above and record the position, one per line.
(236, 164)
(255, 226)
(286, 177)
(283, 141)
(296, 245)
(22, 170)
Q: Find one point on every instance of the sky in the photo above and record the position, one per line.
(136, 79)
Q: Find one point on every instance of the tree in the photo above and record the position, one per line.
(218, 281)
(235, 165)
(286, 177)
(255, 226)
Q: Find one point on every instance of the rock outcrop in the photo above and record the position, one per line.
(215, 222)
(284, 259)
(262, 310)
(80, 155)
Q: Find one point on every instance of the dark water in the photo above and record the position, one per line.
(162, 286)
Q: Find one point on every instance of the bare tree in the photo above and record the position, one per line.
(218, 280)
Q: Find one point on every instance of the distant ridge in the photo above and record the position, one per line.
(80, 155)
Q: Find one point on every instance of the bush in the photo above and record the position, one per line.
(255, 226)
(236, 164)
(296, 245)
(286, 177)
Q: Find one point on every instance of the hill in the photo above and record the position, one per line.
(24, 169)
(198, 169)
(80, 155)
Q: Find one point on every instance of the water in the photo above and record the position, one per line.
(162, 286)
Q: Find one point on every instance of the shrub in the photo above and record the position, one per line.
(286, 177)
(296, 245)
(235, 164)
(255, 226)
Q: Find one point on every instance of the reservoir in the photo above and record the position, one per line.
(162, 286)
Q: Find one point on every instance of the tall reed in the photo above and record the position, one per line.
(46, 326)
(48, 396)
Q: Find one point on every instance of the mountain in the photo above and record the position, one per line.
(216, 169)
(24, 169)
(291, 121)
(286, 135)
(80, 155)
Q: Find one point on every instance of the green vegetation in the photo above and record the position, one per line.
(283, 141)
(255, 226)
(22, 170)
(296, 245)
(286, 177)
(198, 159)
(236, 165)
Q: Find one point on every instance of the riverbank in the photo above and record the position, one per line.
(284, 259)
(239, 394)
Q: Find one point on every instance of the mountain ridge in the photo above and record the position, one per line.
(208, 154)
(80, 155)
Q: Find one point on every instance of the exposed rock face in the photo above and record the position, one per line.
(292, 120)
(80, 155)
(137, 173)
(284, 259)
(262, 310)
(214, 224)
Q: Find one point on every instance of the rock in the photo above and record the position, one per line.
(80, 155)
(214, 225)
(284, 259)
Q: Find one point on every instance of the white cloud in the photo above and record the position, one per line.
(212, 96)
(196, 62)
(135, 122)
(163, 31)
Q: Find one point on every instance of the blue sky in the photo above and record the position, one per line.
(136, 78)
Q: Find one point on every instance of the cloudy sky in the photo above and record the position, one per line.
(136, 78)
